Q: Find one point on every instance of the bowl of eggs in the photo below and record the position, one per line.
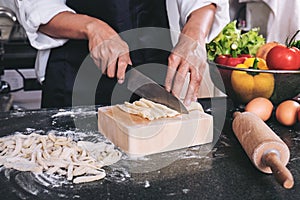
(243, 84)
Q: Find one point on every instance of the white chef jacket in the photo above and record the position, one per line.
(32, 13)
(283, 21)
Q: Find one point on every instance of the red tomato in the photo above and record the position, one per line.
(298, 51)
(283, 58)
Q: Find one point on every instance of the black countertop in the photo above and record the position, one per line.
(221, 172)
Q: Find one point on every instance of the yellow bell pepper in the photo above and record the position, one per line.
(249, 85)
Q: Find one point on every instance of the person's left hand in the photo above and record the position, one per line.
(188, 56)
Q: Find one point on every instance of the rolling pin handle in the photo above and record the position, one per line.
(281, 173)
(235, 114)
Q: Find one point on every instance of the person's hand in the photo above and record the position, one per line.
(188, 56)
(109, 52)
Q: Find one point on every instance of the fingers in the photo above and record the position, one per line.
(117, 68)
(194, 84)
(103, 65)
(97, 54)
(94, 56)
(173, 63)
(112, 57)
(189, 55)
(177, 74)
(123, 62)
(180, 79)
(111, 69)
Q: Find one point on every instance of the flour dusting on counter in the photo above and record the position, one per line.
(73, 113)
(147, 184)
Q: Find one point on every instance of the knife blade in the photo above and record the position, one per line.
(145, 87)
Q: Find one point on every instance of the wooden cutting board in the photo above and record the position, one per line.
(138, 136)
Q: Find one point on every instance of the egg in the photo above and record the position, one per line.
(299, 114)
(286, 112)
(260, 106)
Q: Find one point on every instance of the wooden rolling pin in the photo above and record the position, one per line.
(264, 148)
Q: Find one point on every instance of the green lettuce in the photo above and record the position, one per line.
(247, 43)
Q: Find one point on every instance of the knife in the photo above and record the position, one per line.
(145, 87)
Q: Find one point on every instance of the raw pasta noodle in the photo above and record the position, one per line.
(151, 110)
(78, 161)
(84, 179)
(148, 109)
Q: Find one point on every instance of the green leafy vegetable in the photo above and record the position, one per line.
(247, 43)
(296, 44)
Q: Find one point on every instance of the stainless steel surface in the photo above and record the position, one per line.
(7, 12)
(6, 101)
(7, 21)
(286, 82)
(145, 87)
(15, 49)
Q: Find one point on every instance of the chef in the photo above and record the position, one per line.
(66, 31)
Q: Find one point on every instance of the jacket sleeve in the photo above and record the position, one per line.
(179, 11)
(32, 13)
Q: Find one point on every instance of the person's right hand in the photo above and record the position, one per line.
(109, 52)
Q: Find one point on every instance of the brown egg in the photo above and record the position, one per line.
(260, 106)
(299, 114)
(286, 112)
